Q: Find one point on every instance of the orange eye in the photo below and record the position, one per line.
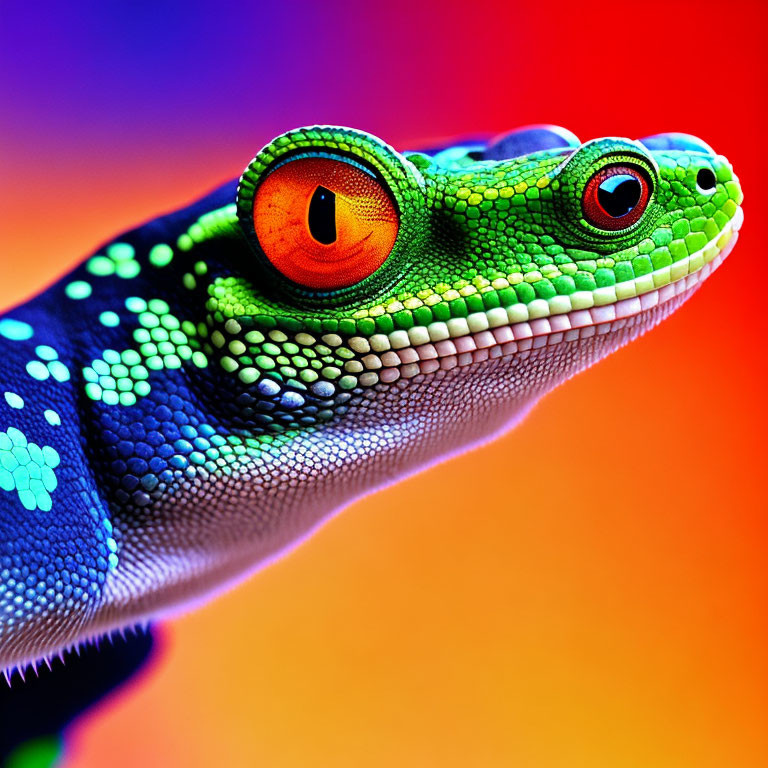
(324, 223)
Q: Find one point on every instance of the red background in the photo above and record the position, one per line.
(589, 590)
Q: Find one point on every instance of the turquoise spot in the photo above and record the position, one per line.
(48, 476)
(135, 304)
(51, 456)
(130, 357)
(28, 468)
(52, 418)
(21, 478)
(100, 367)
(93, 391)
(127, 269)
(120, 251)
(100, 266)
(17, 436)
(119, 261)
(28, 499)
(54, 367)
(159, 307)
(6, 480)
(160, 255)
(149, 320)
(58, 370)
(15, 330)
(14, 400)
(78, 289)
(44, 352)
(110, 319)
(37, 370)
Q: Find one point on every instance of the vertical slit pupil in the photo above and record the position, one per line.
(321, 216)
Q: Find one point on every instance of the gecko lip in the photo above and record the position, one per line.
(502, 332)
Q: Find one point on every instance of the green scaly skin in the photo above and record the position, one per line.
(212, 413)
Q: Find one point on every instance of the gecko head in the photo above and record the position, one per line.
(369, 271)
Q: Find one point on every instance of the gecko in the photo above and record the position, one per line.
(203, 391)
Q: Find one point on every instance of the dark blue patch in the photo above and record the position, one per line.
(532, 138)
(682, 142)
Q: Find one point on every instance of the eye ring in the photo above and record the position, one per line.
(616, 197)
(399, 179)
(324, 222)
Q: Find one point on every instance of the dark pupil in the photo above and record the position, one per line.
(705, 179)
(322, 216)
(619, 194)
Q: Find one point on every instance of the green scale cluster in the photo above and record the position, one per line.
(163, 343)
(203, 451)
(221, 222)
(300, 362)
(120, 260)
(528, 239)
(48, 366)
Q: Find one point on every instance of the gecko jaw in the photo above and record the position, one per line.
(490, 334)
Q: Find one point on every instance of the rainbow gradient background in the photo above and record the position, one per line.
(589, 590)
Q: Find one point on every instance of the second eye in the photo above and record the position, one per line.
(616, 197)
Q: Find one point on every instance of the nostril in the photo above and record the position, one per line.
(705, 180)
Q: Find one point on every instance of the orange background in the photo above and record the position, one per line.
(589, 590)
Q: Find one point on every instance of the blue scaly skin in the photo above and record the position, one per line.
(204, 390)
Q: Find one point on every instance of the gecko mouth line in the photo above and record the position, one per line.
(423, 350)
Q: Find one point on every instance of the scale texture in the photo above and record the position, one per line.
(205, 389)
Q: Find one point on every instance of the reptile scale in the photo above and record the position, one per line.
(203, 391)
